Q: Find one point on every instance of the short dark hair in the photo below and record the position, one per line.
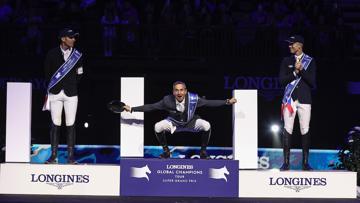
(179, 82)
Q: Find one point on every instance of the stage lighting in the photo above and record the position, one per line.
(86, 125)
(275, 128)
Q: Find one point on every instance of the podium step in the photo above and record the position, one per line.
(179, 177)
(57, 179)
(174, 177)
(297, 184)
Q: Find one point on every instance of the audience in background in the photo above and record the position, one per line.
(248, 19)
(109, 21)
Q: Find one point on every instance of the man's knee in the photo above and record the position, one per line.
(207, 126)
(289, 129)
(160, 126)
(304, 130)
(56, 121)
(70, 123)
(203, 125)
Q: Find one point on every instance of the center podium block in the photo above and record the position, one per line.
(179, 177)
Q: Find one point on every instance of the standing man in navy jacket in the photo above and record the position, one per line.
(297, 73)
(63, 69)
(181, 106)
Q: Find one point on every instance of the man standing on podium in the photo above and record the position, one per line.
(63, 70)
(181, 106)
(297, 73)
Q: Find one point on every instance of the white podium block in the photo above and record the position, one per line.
(297, 184)
(132, 124)
(245, 129)
(53, 179)
(18, 122)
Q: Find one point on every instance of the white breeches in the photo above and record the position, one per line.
(304, 113)
(166, 125)
(57, 102)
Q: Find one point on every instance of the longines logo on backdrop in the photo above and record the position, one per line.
(268, 87)
(297, 184)
(59, 180)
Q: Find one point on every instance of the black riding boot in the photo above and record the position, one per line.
(161, 137)
(305, 151)
(286, 150)
(205, 137)
(70, 138)
(54, 142)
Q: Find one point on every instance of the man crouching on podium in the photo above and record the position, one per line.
(181, 106)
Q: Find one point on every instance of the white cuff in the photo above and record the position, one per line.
(80, 70)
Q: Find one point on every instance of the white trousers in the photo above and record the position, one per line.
(60, 101)
(165, 125)
(304, 113)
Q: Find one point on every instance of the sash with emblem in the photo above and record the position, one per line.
(287, 100)
(64, 69)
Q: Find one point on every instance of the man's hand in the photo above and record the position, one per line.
(127, 108)
(231, 101)
(298, 66)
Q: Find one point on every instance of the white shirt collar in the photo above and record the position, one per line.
(66, 51)
(300, 56)
(182, 102)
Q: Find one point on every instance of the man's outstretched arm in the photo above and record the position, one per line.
(146, 108)
(215, 103)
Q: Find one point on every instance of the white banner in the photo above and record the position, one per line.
(48, 179)
(132, 124)
(18, 122)
(299, 184)
(245, 130)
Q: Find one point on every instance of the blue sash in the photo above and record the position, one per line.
(192, 103)
(64, 69)
(286, 101)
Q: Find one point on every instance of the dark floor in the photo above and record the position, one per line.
(88, 199)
